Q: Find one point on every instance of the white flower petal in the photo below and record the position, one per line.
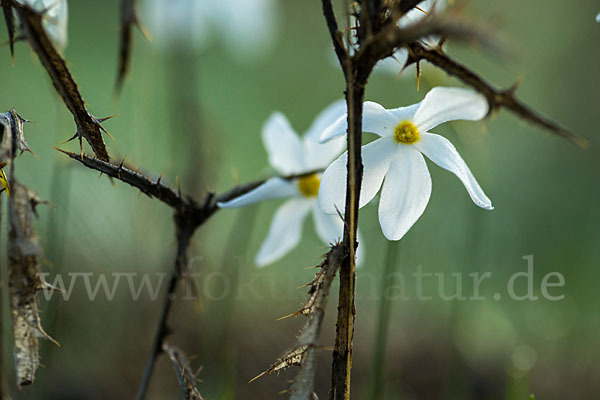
(285, 150)
(376, 156)
(394, 63)
(598, 17)
(285, 231)
(332, 190)
(54, 20)
(335, 130)
(325, 119)
(376, 119)
(444, 104)
(319, 155)
(250, 27)
(178, 22)
(405, 113)
(405, 193)
(415, 14)
(360, 251)
(329, 227)
(439, 150)
(273, 188)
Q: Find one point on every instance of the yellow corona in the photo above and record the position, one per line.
(309, 185)
(406, 133)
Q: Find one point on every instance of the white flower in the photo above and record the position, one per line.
(397, 156)
(248, 27)
(598, 17)
(290, 155)
(397, 61)
(55, 19)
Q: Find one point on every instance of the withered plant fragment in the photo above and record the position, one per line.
(24, 283)
(88, 126)
(303, 354)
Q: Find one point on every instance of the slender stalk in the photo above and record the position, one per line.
(383, 322)
(342, 352)
(356, 76)
(184, 234)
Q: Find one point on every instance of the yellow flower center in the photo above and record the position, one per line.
(406, 133)
(309, 185)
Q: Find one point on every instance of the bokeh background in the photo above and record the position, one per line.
(196, 115)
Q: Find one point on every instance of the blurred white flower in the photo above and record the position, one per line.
(55, 19)
(396, 62)
(397, 156)
(598, 17)
(289, 154)
(247, 28)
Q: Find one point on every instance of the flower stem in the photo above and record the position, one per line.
(342, 352)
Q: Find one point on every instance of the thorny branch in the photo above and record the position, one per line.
(185, 376)
(88, 126)
(155, 188)
(129, 19)
(24, 253)
(378, 36)
(188, 216)
(355, 89)
(303, 354)
(184, 232)
(496, 98)
(9, 18)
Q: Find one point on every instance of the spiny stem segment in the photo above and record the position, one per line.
(129, 19)
(304, 352)
(185, 375)
(9, 18)
(356, 76)
(496, 98)
(376, 36)
(88, 126)
(188, 216)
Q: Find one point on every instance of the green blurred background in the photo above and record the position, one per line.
(197, 117)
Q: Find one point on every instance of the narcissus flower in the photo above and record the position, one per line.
(291, 155)
(397, 61)
(395, 160)
(247, 28)
(55, 19)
